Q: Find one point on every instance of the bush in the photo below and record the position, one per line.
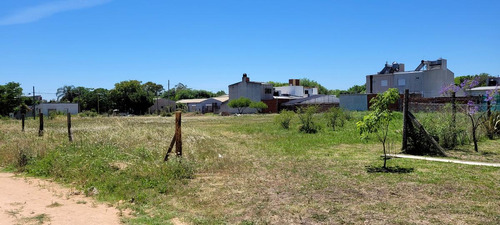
(441, 125)
(284, 118)
(166, 114)
(306, 117)
(335, 117)
(492, 125)
(88, 114)
(54, 114)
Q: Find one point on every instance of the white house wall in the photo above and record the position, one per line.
(291, 90)
(60, 107)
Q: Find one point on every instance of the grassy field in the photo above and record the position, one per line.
(248, 170)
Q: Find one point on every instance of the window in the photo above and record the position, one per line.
(383, 83)
(401, 82)
(306, 92)
(268, 91)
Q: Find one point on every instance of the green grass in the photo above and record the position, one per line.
(249, 170)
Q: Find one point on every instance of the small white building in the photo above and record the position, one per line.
(46, 108)
(294, 89)
(205, 105)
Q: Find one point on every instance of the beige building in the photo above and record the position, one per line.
(427, 79)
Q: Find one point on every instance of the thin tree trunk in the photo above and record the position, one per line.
(474, 139)
(385, 155)
(474, 127)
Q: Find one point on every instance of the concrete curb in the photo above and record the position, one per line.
(443, 160)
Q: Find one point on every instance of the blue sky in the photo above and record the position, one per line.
(209, 44)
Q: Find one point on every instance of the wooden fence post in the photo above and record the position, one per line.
(405, 120)
(177, 139)
(22, 119)
(40, 129)
(70, 135)
(178, 134)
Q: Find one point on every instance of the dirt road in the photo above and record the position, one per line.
(35, 201)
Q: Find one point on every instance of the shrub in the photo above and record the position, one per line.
(284, 118)
(492, 125)
(54, 114)
(449, 134)
(166, 114)
(88, 114)
(306, 118)
(335, 117)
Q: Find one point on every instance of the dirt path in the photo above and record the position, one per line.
(35, 201)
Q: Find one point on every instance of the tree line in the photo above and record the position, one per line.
(130, 96)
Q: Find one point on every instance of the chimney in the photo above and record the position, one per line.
(245, 78)
(294, 82)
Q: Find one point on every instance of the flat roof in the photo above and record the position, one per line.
(187, 101)
(222, 98)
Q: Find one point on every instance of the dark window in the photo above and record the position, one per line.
(268, 91)
(306, 92)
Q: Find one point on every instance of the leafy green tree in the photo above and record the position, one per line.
(220, 93)
(97, 100)
(240, 103)
(153, 88)
(130, 96)
(259, 106)
(10, 97)
(304, 82)
(335, 92)
(380, 117)
(171, 93)
(357, 89)
(81, 96)
(277, 84)
(482, 79)
(66, 93)
(311, 83)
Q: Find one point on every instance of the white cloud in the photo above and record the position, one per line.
(38, 12)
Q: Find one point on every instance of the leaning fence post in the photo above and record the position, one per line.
(178, 134)
(405, 120)
(22, 119)
(70, 135)
(40, 129)
(177, 139)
